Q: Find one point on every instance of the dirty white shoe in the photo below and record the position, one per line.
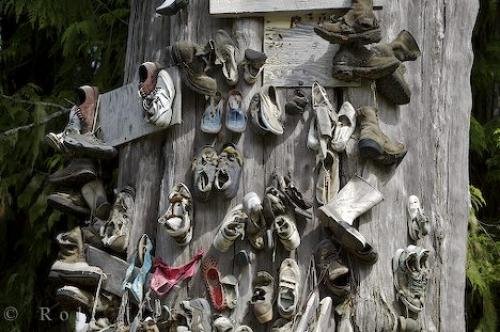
(346, 124)
(324, 314)
(232, 227)
(418, 224)
(230, 290)
(256, 225)
(177, 219)
(287, 231)
(223, 324)
(289, 288)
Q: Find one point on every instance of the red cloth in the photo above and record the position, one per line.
(165, 277)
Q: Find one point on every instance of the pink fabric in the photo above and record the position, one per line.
(165, 277)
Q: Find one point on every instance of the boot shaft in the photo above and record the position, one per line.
(87, 103)
(405, 47)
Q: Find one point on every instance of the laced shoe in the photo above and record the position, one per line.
(332, 271)
(74, 298)
(88, 145)
(418, 223)
(87, 104)
(232, 227)
(228, 173)
(289, 288)
(77, 172)
(177, 219)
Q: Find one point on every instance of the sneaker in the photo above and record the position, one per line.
(232, 227)
(289, 288)
(211, 120)
(226, 52)
(94, 194)
(204, 167)
(236, 118)
(69, 202)
(178, 218)
(418, 223)
(88, 145)
(262, 297)
(332, 270)
(74, 298)
(116, 231)
(77, 172)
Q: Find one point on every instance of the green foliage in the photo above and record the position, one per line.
(48, 48)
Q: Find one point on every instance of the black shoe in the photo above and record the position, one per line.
(78, 171)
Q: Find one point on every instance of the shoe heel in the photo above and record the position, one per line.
(369, 149)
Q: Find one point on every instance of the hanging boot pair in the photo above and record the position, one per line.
(178, 218)
(217, 172)
(157, 92)
(356, 198)
(235, 119)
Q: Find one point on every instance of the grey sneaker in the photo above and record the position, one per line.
(77, 172)
(226, 51)
(88, 145)
(289, 288)
(262, 297)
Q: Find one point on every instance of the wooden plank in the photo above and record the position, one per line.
(241, 8)
(297, 56)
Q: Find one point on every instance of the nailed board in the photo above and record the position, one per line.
(260, 7)
(296, 55)
(121, 117)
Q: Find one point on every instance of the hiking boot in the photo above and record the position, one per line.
(411, 271)
(373, 143)
(227, 176)
(394, 87)
(88, 145)
(262, 297)
(372, 62)
(77, 172)
(189, 57)
(225, 52)
(289, 288)
(359, 25)
(69, 202)
(71, 265)
(332, 270)
(177, 220)
(157, 91)
(233, 226)
(418, 224)
(87, 103)
(74, 298)
(116, 232)
(94, 194)
(171, 7)
(253, 65)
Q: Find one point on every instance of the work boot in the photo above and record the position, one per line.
(226, 51)
(373, 143)
(117, 229)
(262, 297)
(253, 65)
(189, 57)
(356, 62)
(94, 194)
(71, 265)
(69, 202)
(394, 87)
(359, 25)
(87, 104)
(77, 172)
(171, 7)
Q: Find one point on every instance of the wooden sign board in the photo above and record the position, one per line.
(121, 117)
(296, 55)
(241, 8)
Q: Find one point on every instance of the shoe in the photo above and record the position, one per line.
(253, 65)
(87, 97)
(282, 325)
(256, 224)
(418, 223)
(236, 118)
(223, 324)
(71, 265)
(411, 272)
(177, 219)
(394, 87)
(212, 278)
(211, 121)
(266, 111)
(294, 198)
(149, 325)
(229, 167)
(55, 141)
(157, 92)
(199, 315)
(324, 314)
(77, 172)
(225, 52)
(359, 25)
(87, 145)
(332, 271)
(262, 297)
(298, 103)
(289, 288)
(322, 123)
(74, 298)
(204, 167)
(69, 202)
(373, 143)
(307, 314)
(244, 258)
(287, 232)
(230, 290)
(243, 328)
(116, 231)
(134, 282)
(171, 7)
(346, 124)
(231, 228)
(408, 325)
(327, 180)
(189, 57)
(352, 63)
(94, 194)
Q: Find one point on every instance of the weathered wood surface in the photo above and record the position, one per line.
(241, 8)
(434, 126)
(296, 55)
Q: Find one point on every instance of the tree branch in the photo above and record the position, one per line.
(31, 102)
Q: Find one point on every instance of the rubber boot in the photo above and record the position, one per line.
(359, 25)
(94, 194)
(373, 143)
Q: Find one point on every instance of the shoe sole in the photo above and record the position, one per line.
(80, 278)
(350, 73)
(362, 38)
(369, 149)
(68, 301)
(89, 150)
(395, 89)
(80, 177)
(65, 206)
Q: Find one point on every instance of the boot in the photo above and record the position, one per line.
(87, 103)
(71, 265)
(94, 194)
(394, 87)
(359, 25)
(189, 57)
(87, 145)
(356, 62)
(78, 171)
(117, 229)
(69, 202)
(373, 143)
